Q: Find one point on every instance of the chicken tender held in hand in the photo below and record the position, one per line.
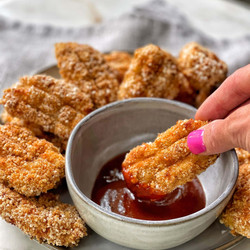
(28, 164)
(44, 218)
(86, 67)
(120, 61)
(153, 170)
(203, 69)
(152, 73)
(236, 216)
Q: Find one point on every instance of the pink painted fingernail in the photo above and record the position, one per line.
(195, 142)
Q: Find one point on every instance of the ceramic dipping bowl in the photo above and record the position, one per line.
(117, 128)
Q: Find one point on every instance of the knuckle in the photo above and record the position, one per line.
(212, 140)
(238, 128)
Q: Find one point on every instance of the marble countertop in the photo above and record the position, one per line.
(222, 19)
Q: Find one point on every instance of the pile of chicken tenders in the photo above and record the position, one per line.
(40, 112)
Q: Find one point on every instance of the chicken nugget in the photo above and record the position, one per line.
(44, 218)
(153, 170)
(152, 73)
(120, 61)
(203, 69)
(236, 215)
(28, 164)
(87, 68)
(52, 105)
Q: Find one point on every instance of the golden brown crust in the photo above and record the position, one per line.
(56, 113)
(58, 142)
(236, 216)
(120, 61)
(5, 117)
(243, 156)
(28, 164)
(87, 68)
(8, 119)
(203, 69)
(67, 93)
(152, 73)
(154, 169)
(45, 218)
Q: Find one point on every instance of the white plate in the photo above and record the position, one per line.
(217, 236)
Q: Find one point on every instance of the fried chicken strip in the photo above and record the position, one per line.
(120, 61)
(58, 142)
(203, 69)
(53, 105)
(28, 164)
(45, 218)
(152, 73)
(87, 68)
(153, 170)
(236, 216)
(7, 119)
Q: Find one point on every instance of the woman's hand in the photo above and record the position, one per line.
(229, 109)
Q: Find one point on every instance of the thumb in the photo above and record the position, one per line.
(212, 138)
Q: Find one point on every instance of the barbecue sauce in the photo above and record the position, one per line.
(111, 193)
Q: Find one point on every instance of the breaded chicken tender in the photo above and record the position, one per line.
(44, 218)
(120, 61)
(60, 143)
(52, 105)
(87, 68)
(153, 170)
(152, 73)
(28, 164)
(243, 156)
(203, 69)
(67, 93)
(236, 216)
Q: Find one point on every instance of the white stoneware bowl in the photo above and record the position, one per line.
(116, 128)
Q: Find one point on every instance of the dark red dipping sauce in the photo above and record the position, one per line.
(111, 193)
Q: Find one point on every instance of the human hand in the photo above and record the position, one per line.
(229, 109)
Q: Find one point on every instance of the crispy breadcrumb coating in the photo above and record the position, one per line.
(152, 73)
(236, 216)
(67, 93)
(53, 105)
(7, 118)
(243, 156)
(44, 218)
(28, 164)
(60, 143)
(203, 69)
(153, 170)
(87, 68)
(120, 61)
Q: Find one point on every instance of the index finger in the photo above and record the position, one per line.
(233, 91)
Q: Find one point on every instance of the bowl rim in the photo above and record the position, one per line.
(83, 197)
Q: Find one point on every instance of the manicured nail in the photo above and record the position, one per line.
(195, 142)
